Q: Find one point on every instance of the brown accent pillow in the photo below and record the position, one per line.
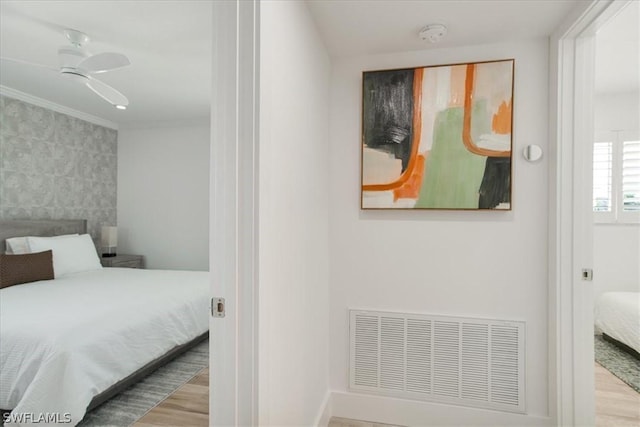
(25, 268)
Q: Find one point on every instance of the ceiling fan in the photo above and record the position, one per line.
(77, 64)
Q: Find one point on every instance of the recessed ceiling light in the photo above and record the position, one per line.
(121, 107)
(433, 33)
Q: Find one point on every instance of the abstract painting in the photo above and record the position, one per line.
(438, 137)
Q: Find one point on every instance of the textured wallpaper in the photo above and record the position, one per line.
(56, 166)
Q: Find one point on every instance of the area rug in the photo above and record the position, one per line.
(129, 406)
(618, 362)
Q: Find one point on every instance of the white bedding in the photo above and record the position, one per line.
(64, 341)
(617, 314)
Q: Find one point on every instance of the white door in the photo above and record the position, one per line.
(233, 207)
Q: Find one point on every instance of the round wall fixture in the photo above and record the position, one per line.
(433, 33)
(532, 153)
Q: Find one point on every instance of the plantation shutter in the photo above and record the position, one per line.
(631, 176)
(602, 176)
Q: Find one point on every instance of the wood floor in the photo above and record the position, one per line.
(345, 422)
(617, 405)
(186, 407)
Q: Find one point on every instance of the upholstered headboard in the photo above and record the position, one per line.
(39, 227)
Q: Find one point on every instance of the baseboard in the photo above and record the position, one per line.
(414, 413)
(324, 413)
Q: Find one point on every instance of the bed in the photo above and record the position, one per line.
(70, 343)
(617, 315)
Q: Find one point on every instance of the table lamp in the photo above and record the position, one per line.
(109, 241)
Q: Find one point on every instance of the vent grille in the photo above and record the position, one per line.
(366, 351)
(469, 362)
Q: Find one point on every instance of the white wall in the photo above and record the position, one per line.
(616, 256)
(617, 111)
(163, 195)
(476, 264)
(293, 247)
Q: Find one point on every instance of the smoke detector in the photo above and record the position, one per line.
(433, 33)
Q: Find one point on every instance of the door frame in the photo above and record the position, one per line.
(572, 66)
(233, 235)
(234, 213)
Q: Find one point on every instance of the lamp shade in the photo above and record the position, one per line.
(109, 237)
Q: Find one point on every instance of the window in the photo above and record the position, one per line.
(602, 168)
(616, 178)
(631, 176)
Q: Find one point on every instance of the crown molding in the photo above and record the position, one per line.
(16, 94)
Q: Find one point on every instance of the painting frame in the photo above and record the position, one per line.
(438, 137)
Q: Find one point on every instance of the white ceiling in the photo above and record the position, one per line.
(366, 27)
(359, 27)
(618, 52)
(167, 42)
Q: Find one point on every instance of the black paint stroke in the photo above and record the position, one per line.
(496, 183)
(388, 112)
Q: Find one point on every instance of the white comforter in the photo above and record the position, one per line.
(64, 341)
(618, 315)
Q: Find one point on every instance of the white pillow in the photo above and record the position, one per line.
(17, 246)
(72, 254)
(20, 245)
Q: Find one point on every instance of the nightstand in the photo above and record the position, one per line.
(123, 261)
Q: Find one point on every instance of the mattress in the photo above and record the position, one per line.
(617, 314)
(64, 341)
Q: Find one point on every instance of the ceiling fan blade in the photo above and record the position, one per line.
(106, 92)
(104, 62)
(33, 64)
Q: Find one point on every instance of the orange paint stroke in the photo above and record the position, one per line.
(502, 119)
(417, 132)
(466, 123)
(457, 86)
(411, 188)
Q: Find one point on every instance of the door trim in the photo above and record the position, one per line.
(233, 240)
(571, 390)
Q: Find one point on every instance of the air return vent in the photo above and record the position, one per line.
(462, 361)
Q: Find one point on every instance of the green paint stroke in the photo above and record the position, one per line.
(453, 174)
